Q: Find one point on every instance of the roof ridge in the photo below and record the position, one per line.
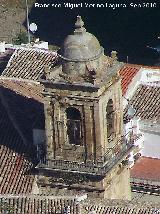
(142, 66)
(19, 79)
(35, 49)
(120, 203)
(37, 196)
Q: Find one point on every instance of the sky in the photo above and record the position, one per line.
(127, 26)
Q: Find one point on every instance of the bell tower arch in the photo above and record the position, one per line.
(74, 126)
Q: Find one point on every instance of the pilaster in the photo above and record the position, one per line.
(49, 113)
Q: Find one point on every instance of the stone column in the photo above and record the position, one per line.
(58, 144)
(96, 123)
(89, 130)
(62, 125)
(121, 116)
(117, 114)
(48, 109)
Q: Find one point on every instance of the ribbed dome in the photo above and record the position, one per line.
(81, 46)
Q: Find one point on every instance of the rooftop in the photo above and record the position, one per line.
(31, 204)
(4, 58)
(27, 63)
(14, 170)
(21, 111)
(118, 207)
(146, 168)
(127, 73)
(26, 88)
(49, 204)
(146, 102)
(14, 167)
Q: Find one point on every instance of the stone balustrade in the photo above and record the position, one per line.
(109, 159)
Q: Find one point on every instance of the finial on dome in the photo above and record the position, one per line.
(79, 25)
(79, 22)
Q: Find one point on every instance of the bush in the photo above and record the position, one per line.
(20, 38)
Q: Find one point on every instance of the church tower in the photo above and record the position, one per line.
(85, 147)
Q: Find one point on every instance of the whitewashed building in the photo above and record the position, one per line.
(141, 91)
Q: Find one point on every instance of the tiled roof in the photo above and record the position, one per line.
(25, 88)
(13, 166)
(146, 102)
(127, 73)
(28, 63)
(33, 204)
(146, 168)
(39, 204)
(7, 127)
(26, 114)
(118, 207)
(117, 210)
(4, 58)
(20, 113)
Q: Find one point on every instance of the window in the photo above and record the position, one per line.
(74, 126)
(110, 119)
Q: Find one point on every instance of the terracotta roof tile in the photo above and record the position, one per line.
(13, 165)
(25, 88)
(146, 168)
(28, 63)
(39, 204)
(146, 101)
(127, 73)
(118, 207)
(15, 125)
(31, 204)
(25, 114)
(4, 58)
(14, 172)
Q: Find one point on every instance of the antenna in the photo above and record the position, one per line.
(29, 38)
(127, 59)
(33, 27)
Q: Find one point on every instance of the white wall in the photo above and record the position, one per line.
(133, 127)
(149, 75)
(150, 141)
(2, 47)
(43, 45)
(151, 145)
(151, 132)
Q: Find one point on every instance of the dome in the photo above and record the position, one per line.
(81, 46)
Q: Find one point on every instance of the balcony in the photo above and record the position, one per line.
(98, 167)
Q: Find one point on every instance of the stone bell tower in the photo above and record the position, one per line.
(85, 147)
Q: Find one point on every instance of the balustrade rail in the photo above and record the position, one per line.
(108, 160)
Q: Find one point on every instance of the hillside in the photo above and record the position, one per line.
(12, 18)
(15, 3)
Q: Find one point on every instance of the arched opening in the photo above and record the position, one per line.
(74, 126)
(110, 119)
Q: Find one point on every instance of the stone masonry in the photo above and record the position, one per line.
(84, 122)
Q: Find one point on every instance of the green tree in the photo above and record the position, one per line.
(21, 38)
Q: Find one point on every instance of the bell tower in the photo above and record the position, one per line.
(85, 147)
